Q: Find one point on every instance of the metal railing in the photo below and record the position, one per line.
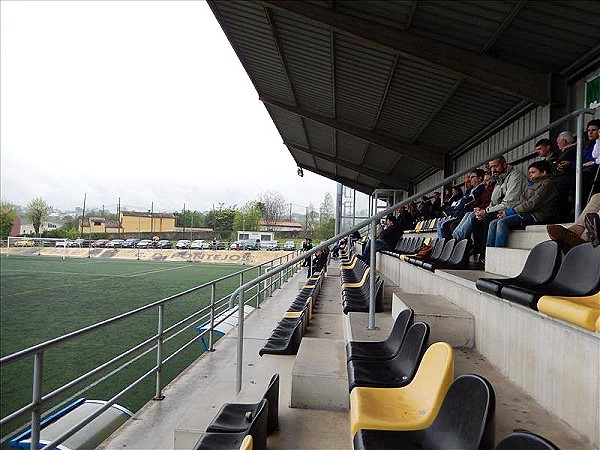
(155, 343)
(372, 222)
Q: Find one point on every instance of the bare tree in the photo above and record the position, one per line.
(37, 211)
(273, 206)
(312, 218)
(327, 210)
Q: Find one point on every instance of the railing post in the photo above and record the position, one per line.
(578, 163)
(159, 348)
(240, 346)
(280, 282)
(38, 366)
(258, 290)
(372, 293)
(213, 289)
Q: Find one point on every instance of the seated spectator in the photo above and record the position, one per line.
(436, 205)
(319, 260)
(405, 219)
(538, 204)
(510, 184)
(424, 208)
(544, 149)
(446, 199)
(467, 183)
(585, 229)
(387, 240)
(462, 206)
(341, 245)
(457, 194)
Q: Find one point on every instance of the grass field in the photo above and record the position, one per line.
(42, 298)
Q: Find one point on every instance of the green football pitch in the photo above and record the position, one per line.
(44, 297)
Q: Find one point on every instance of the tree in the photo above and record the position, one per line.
(312, 218)
(221, 219)
(327, 209)
(37, 211)
(247, 218)
(188, 218)
(273, 206)
(8, 215)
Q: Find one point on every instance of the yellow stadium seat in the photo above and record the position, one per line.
(419, 226)
(360, 283)
(292, 314)
(351, 264)
(412, 407)
(581, 311)
(598, 325)
(246, 443)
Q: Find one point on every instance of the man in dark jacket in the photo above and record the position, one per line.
(387, 240)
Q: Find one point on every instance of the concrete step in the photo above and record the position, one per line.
(448, 322)
(528, 238)
(505, 261)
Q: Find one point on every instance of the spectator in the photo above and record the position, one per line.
(539, 204)
(585, 229)
(387, 240)
(544, 149)
(320, 260)
(457, 194)
(405, 219)
(510, 184)
(424, 208)
(467, 183)
(447, 195)
(306, 246)
(462, 206)
(436, 205)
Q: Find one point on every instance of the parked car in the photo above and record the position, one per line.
(79, 243)
(24, 243)
(251, 244)
(115, 243)
(163, 243)
(145, 243)
(183, 243)
(199, 244)
(130, 243)
(272, 245)
(237, 245)
(289, 246)
(100, 243)
(218, 245)
(64, 243)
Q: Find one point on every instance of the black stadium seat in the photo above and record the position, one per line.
(465, 421)
(395, 372)
(382, 350)
(578, 276)
(540, 268)
(524, 440)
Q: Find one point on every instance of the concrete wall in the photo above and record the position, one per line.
(554, 362)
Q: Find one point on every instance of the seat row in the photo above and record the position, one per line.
(287, 335)
(408, 245)
(566, 288)
(244, 426)
(412, 402)
(356, 285)
(444, 254)
(424, 226)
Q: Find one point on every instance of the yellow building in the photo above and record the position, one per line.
(100, 225)
(146, 222)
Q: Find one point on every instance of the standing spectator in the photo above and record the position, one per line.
(306, 246)
(538, 204)
(387, 239)
(510, 184)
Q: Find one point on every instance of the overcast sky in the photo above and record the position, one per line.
(145, 101)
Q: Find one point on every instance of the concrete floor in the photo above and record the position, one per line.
(192, 399)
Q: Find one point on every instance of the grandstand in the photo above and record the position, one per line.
(407, 97)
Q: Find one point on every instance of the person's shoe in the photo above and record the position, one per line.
(565, 237)
(592, 225)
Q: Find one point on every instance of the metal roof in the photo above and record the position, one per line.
(375, 94)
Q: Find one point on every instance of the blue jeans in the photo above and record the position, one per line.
(498, 232)
(465, 227)
(379, 245)
(440, 223)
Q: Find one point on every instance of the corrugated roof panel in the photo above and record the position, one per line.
(307, 50)
(549, 35)
(304, 159)
(380, 159)
(415, 93)
(247, 28)
(406, 168)
(368, 181)
(361, 76)
(456, 122)
(350, 148)
(289, 125)
(462, 23)
(346, 173)
(320, 136)
(390, 13)
(325, 165)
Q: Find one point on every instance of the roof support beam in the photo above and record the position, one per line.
(470, 65)
(425, 155)
(397, 183)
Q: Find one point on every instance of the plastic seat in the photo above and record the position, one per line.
(231, 418)
(459, 259)
(284, 346)
(361, 303)
(382, 350)
(578, 276)
(435, 253)
(465, 421)
(412, 407)
(540, 268)
(581, 311)
(524, 440)
(395, 372)
(444, 256)
(228, 441)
